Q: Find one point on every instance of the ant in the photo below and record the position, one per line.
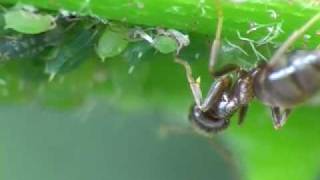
(281, 84)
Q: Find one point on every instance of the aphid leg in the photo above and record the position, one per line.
(194, 84)
(242, 114)
(279, 116)
(217, 41)
(294, 36)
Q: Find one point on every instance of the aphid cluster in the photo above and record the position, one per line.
(282, 83)
(66, 40)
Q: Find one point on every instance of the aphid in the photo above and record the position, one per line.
(165, 44)
(182, 40)
(280, 84)
(113, 41)
(26, 21)
(165, 41)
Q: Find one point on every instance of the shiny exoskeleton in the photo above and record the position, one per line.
(223, 100)
(286, 85)
(281, 84)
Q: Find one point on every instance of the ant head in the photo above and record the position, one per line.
(205, 121)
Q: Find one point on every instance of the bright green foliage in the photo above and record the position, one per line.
(112, 42)
(165, 44)
(28, 22)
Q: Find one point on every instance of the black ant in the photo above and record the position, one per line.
(280, 84)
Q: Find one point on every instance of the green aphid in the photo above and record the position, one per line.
(73, 51)
(28, 22)
(165, 44)
(112, 42)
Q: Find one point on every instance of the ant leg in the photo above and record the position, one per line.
(217, 41)
(242, 114)
(224, 84)
(194, 84)
(214, 94)
(294, 36)
(279, 117)
(243, 93)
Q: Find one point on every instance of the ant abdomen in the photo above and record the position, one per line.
(206, 120)
(286, 85)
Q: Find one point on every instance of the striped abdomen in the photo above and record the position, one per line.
(288, 84)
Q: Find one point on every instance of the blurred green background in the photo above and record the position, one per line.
(99, 121)
(97, 141)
